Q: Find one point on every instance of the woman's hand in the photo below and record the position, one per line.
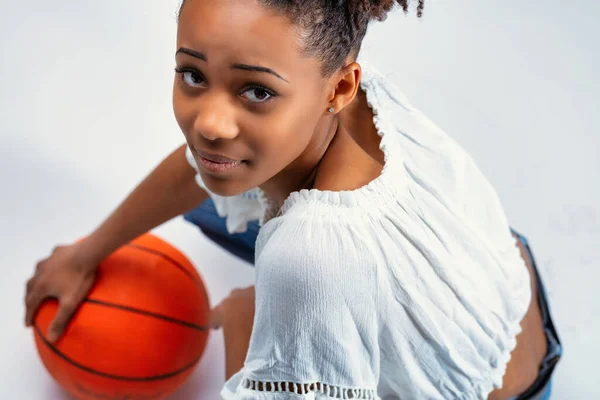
(66, 276)
(235, 314)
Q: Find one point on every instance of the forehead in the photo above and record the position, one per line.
(239, 31)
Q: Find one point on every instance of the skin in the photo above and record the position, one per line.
(288, 142)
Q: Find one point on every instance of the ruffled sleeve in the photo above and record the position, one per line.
(316, 323)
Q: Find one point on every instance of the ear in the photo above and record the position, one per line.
(344, 85)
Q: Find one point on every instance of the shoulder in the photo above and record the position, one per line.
(318, 243)
(310, 230)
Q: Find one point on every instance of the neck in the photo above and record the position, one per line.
(301, 173)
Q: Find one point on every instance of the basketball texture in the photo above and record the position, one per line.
(140, 331)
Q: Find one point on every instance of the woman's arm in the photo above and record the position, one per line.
(168, 191)
(69, 273)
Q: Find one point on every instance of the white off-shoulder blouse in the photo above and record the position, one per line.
(411, 287)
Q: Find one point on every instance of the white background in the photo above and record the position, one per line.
(85, 113)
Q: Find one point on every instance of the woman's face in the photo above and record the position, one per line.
(247, 100)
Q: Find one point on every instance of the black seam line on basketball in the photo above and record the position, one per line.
(111, 376)
(169, 259)
(147, 313)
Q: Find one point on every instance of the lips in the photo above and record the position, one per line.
(215, 158)
(215, 163)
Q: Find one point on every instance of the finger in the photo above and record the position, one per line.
(29, 288)
(61, 319)
(32, 303)
(216, 318)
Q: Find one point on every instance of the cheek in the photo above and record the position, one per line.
(286, 138)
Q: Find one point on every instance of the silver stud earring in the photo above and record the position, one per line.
(331, 109)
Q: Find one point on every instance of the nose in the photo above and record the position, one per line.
(215, 119)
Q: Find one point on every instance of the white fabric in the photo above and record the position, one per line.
(410, 287)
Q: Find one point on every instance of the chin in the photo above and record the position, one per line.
(223, 187)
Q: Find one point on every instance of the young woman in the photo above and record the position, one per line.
(385, 266)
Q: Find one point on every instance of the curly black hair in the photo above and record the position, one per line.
(334, 29)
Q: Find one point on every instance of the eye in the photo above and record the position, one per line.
(191, 77)
(258, 94)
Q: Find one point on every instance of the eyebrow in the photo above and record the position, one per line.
(244, 67)
(256, 68)
(192, 53)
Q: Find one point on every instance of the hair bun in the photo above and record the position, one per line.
(378, 9)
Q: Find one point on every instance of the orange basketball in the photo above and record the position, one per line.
(139, 333)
